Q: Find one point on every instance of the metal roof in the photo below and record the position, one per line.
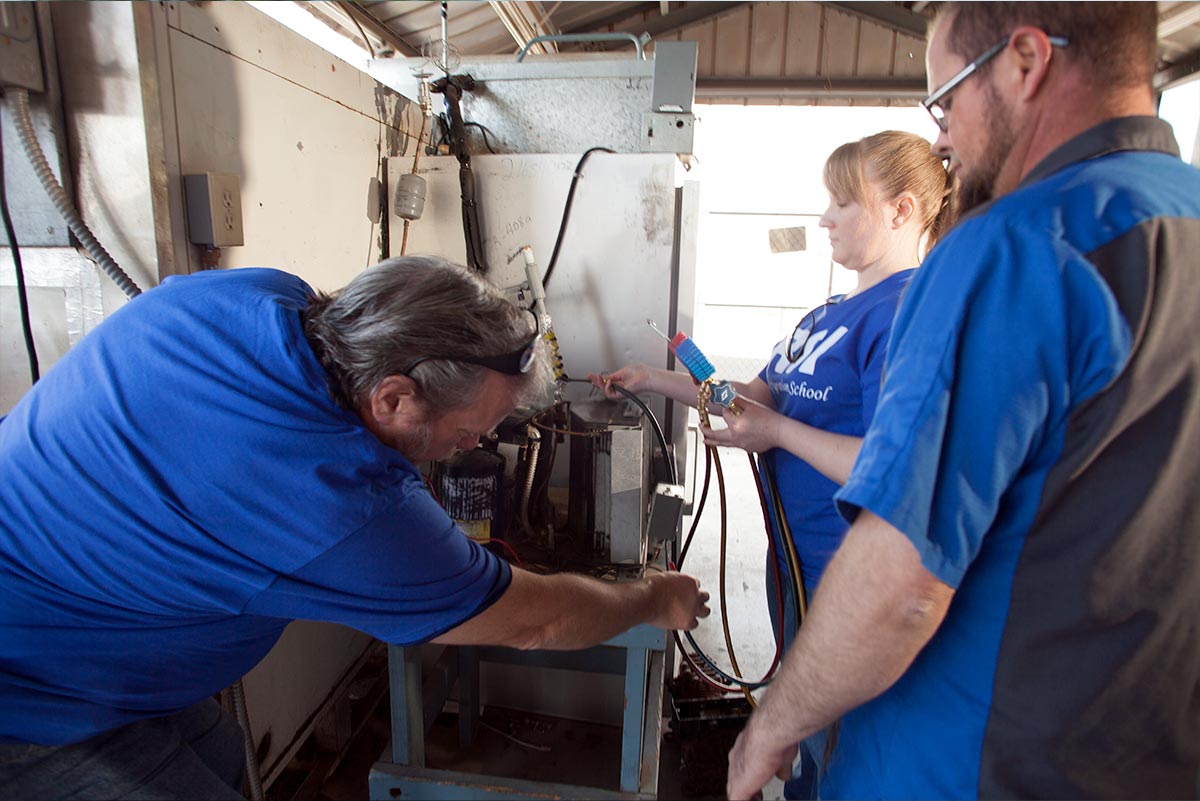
(829, 53)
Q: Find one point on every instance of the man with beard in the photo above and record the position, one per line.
(1013, 612)
(232, 451)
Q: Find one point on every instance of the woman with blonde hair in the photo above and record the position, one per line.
(807, 411)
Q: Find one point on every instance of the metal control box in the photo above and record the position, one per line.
(608, 487)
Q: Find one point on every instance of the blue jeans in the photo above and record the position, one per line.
(196, 753)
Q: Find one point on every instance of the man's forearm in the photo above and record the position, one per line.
(590, 611)
(875, 609)
(566, 611)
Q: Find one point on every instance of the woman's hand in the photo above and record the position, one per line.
(634, 377)
(755, 430)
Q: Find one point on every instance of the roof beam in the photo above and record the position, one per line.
(889, 15)
(888, 88)
(385, 34)
(525, 22)
(1182, 69)
(1182, 16)
(690, 14)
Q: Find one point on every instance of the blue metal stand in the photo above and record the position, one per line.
(413, 709)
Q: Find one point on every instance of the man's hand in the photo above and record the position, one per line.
(755, 430)
(752, 764)
(679, 602)
(632, 376)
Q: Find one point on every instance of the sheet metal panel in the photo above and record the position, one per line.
(615, 266)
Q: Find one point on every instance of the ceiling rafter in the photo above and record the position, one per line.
(525, 21)
(889, 15)
(631, 20)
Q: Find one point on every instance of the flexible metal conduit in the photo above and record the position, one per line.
(58, 195)
(535, 437)
(238, 692)
(588, 37)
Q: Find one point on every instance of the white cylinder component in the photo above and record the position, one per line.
(410, 196)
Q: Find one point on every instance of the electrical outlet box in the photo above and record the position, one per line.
(666, 513)
(214, 209)
(668, 133)
(20, 57)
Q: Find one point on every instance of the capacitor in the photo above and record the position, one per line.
(470, 485)
(410, 196)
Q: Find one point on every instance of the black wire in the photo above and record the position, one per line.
(562, 226)
(484, 129)
(687, 543)
(22, 296)
(749, 685)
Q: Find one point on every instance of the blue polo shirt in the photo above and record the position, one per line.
(1005, 337)
(177, 489)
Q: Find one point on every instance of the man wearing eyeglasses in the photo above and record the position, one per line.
(1014, 610)
(230, 452)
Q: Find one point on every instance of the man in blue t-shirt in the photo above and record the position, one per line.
(1013, 612)
(232, 451)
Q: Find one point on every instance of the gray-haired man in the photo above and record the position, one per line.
(232, 451)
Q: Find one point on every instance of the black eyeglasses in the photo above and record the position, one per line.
(801, 333)
(933, 103)
(516, 362)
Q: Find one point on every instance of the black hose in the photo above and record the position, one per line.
(687, 542)
(452, 89)
(22, 295)
(658, 432)
(562, 226)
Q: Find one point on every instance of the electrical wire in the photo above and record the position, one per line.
(366, 40)
(562, 226)
(22, 295)
(485, 131)
(507, 547)
(59, 197)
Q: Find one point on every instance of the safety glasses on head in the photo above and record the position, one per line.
(514, 363)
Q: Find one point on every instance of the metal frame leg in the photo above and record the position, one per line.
(636, 666)
(408, 717)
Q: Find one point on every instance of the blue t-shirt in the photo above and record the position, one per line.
(177, 489)
(833, 386)
(1007, 329)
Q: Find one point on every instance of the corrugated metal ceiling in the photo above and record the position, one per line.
(749, 52)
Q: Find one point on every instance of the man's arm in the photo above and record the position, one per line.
(566, 611)
(875, 609)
